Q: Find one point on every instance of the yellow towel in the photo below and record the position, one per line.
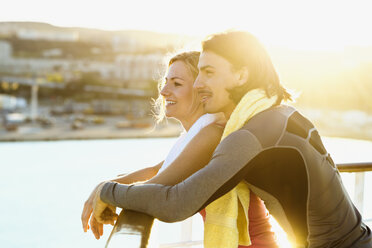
(227, 224)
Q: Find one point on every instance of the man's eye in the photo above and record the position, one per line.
(209, 73)
(177, 84)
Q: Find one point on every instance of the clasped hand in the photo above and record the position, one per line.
(98, 212)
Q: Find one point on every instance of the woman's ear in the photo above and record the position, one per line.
(242, 75)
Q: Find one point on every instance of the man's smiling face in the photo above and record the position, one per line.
(216, 76)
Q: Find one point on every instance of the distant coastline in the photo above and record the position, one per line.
(29, 133)
(91, 135)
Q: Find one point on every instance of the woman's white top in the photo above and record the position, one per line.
(186, 137)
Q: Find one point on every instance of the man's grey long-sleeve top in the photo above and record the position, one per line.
(280, 155)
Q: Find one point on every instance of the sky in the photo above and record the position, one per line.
(316, 24)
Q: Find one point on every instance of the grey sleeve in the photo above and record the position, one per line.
(178, 202)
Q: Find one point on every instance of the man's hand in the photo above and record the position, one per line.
(104, 213)
(97, 228)
(88, 209)
(108, 215)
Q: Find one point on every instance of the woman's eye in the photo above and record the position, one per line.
(177, 84)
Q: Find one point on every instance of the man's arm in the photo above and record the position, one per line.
(175, 203)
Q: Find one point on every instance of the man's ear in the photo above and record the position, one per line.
(242, 75)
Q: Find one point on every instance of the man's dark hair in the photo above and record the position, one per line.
(242, 49)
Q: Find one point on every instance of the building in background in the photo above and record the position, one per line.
(131, 69)
(33, 34)
(125, 83)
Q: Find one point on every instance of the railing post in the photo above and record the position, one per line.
(359, 191)
(34, 103)
(186, 230)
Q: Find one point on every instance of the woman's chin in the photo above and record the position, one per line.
(170, 114)
(173, 115)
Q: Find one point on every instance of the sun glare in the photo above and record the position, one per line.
(280, 234)
(324, 25)
(321, 48)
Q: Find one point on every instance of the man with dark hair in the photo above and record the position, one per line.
(276, 151)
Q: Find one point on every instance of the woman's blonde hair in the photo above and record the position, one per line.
(191, 60)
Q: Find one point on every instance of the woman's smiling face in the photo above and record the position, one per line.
(181, 99)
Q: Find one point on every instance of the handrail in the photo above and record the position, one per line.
(355, 167)
(359, 169)
(182, 244)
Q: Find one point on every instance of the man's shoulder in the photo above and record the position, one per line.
(275, 112)
(271, 118)
(269, 125)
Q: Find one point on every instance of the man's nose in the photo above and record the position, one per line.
(198, 83)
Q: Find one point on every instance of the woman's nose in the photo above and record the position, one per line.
(164, 91)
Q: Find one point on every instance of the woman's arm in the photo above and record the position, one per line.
(139, 175)
(200, 148)
(195, 156)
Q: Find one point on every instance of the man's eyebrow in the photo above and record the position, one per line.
(205, 67)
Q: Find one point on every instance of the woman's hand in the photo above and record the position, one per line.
(220, 119)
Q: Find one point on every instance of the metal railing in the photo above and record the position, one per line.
(359, 169)
(355, 167)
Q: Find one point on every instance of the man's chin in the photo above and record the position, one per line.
(210, 110)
